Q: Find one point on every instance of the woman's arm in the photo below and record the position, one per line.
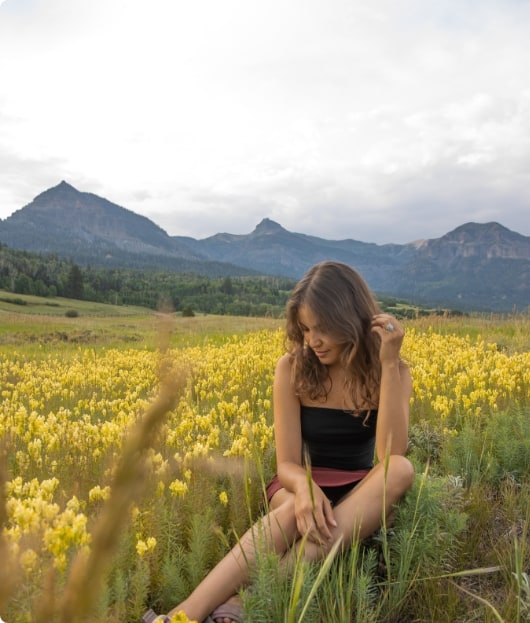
(395, 390)
(312, 509)
(287, 428)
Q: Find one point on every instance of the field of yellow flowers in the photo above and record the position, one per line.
(67, 409)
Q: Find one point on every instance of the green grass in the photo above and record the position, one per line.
(509, 331)
(42, 324)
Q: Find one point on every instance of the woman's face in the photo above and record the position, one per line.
(326, 347)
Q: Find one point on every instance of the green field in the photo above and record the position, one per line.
(31, 320)
(94, 529)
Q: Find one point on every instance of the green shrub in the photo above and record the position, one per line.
(493, 452)
(14, 300)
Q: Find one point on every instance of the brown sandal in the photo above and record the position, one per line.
(151, 616)
(229, 611)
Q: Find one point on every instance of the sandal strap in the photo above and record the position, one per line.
(151, 616)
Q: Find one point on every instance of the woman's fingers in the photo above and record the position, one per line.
(391, 333)
(385, 324)
(317, 524)
(315, 517)
(323, 533)
(328, 513)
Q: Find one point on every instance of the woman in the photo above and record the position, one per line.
(341, 396)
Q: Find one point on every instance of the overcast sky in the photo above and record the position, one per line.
(380, 120)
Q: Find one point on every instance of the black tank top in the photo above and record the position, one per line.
(339, 439)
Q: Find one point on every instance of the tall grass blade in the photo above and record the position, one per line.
(87, 571)
(8, 570)
(323, 571)
(483, 601)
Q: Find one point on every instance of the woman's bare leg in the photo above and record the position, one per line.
(360, 513)
(276, 531)
(358, 516)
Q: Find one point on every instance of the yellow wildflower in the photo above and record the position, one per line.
(143, 547)
(178, 488)
(180, 617)
(98, 493)
(28, 560)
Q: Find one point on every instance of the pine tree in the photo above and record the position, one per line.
(74, 283)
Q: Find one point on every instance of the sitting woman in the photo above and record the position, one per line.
(341, 397)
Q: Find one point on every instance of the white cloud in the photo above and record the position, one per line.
(384, 122)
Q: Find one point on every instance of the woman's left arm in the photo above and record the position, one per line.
(395, 391)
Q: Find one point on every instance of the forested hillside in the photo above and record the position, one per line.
(47, 275)
(22, 272)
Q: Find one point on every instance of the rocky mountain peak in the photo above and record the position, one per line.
(267, 226)
(61, 191)
(480, 240)
(475, 232)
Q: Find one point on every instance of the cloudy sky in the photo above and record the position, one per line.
(383, 121)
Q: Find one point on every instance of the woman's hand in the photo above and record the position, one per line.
(391, 334)
(314, 515)
(395, 389)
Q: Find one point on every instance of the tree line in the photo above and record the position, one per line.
(22, 272)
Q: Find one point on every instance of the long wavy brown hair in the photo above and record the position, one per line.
(344, 305)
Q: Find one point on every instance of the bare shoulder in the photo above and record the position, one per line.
(284, 364)
(282, 374)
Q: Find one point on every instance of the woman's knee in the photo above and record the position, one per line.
(285, 511)
(282, 514)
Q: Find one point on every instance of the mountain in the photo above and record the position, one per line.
(480, 267)
(477, 266)
(272, 249)
(92, 230)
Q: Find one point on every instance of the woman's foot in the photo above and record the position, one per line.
(229, 612)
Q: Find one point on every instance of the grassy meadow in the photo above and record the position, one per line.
(134, 448)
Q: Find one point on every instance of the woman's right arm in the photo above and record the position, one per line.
(312, 509)
(287, 428)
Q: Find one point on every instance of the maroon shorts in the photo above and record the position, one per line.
(335, 483)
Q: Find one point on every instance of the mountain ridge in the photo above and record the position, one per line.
(93, 219)
(474, 266)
